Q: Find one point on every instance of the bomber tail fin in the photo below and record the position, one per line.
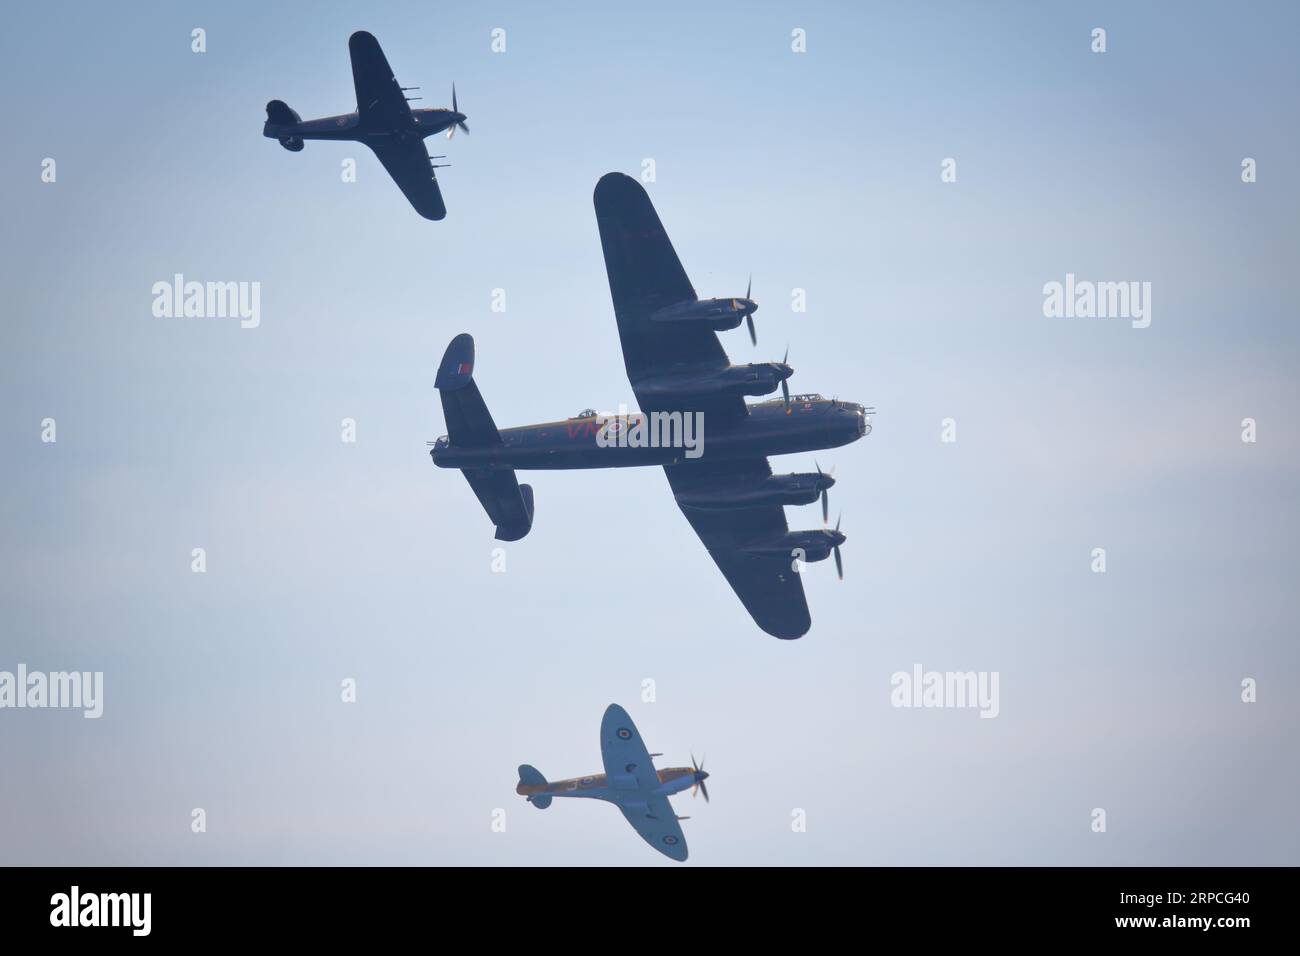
(530, 778)
(508, 504)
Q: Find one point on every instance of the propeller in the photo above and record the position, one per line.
(700, 777)
(749, 316)
(826, 497)
(839, 562)
(460, 123)
(785, 386)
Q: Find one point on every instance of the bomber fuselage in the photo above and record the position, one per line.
(808, 423)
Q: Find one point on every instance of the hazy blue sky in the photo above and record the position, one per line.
(817, 171)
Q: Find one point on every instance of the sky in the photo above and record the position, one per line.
(819, 171)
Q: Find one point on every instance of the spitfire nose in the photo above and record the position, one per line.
(701, 775)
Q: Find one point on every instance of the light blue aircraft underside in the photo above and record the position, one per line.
(630, 782)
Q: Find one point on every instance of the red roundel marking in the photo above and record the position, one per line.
(624, 734)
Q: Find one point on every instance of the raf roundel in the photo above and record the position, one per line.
(670, 840)
(624, 734)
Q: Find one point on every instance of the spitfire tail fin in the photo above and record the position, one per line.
(530, 778)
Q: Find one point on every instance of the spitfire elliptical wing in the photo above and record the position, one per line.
(629, 767)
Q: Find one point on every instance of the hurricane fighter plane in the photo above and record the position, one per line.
(384, 121)
(630, 782)
(677, 368)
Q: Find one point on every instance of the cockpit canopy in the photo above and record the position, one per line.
(585, 413)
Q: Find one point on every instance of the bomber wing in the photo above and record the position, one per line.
(645, 275)
(768, 586)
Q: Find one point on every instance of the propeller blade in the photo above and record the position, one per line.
(785, 392)
(454, 109)
(826, 505)
(838, 519)
(705, 791)
(749, 288)
(465, 126)
(749, 321)
(839, 563)
(451, 132)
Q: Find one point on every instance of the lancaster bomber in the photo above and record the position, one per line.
(630, 782)
(679, 374)
(384, 121)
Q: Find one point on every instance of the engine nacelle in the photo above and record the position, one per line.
(718, 315)
(293, 144)
(759, 378)
(804, 545)
(793, 489)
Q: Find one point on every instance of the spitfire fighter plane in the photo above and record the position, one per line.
(677, 367)
(384, 121)
(630, 782)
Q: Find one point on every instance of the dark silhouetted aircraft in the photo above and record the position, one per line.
(680, 375)
(384, 121)
(630, 782)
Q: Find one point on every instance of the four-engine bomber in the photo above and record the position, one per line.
(679, 373)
